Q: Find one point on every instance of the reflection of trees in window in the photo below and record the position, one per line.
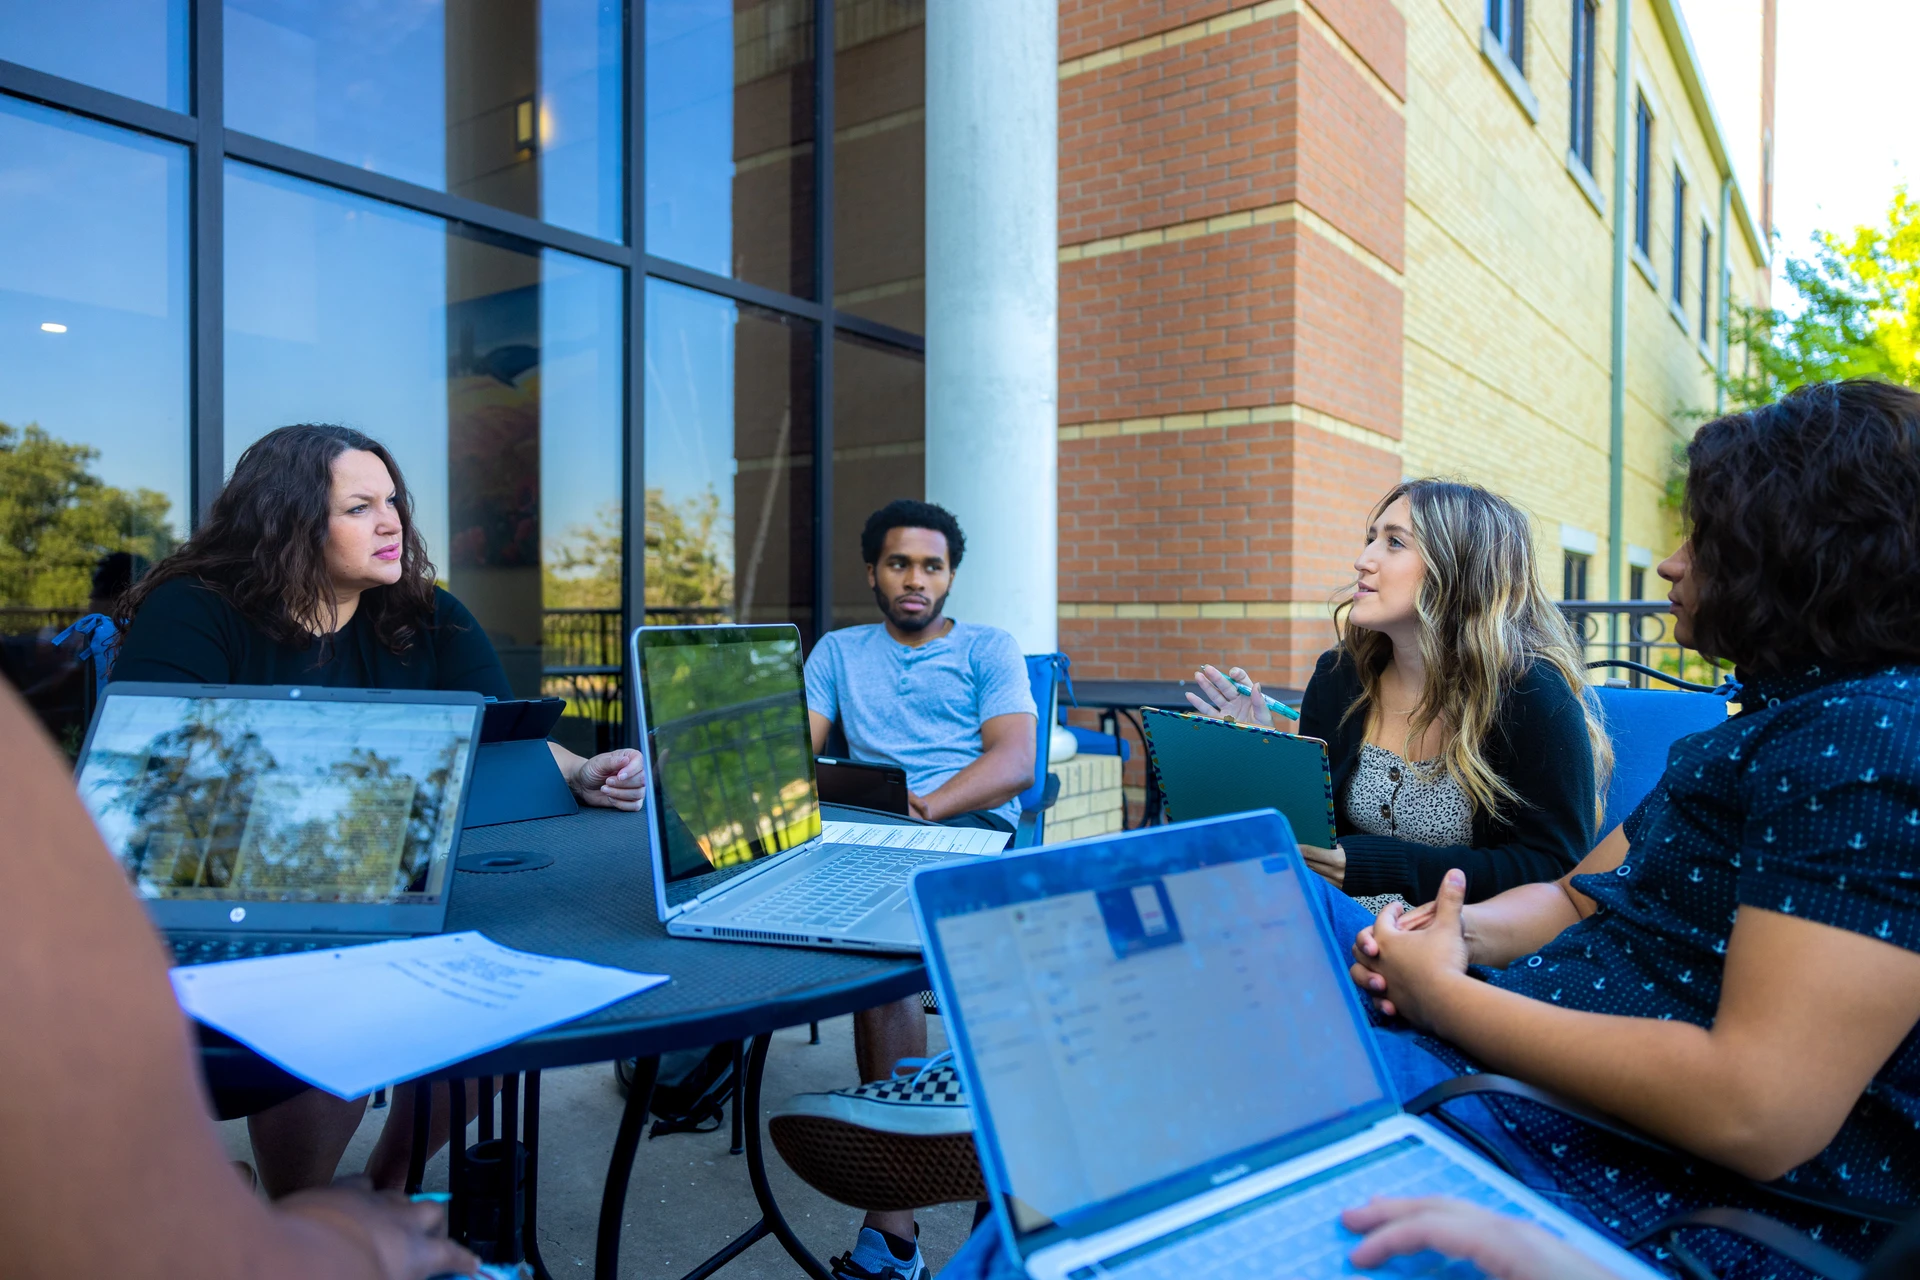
(428, 806)
(59, 519)
(189, 804)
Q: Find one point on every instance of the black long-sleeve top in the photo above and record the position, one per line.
(188, 633)
(1538, 744)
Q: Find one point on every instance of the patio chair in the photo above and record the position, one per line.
(1643, 724)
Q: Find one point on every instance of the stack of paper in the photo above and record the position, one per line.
(976, 840)
(364, 1018)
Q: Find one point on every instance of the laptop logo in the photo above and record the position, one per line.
(237, 914)
(1228, 1175)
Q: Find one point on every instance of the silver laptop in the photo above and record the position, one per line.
(735, 827)
(1169, 1071)
(257, 820)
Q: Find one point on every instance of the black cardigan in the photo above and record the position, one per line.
(1538, 744)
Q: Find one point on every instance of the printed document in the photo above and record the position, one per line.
(363, 1018)
(976, 840)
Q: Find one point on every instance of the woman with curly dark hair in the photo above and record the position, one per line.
(309, 570)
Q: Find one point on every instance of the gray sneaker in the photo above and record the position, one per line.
(903, 1143)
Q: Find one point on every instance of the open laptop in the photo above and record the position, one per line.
(738, 848)
(257, 820)
(1207, 767)
(1169, 1071)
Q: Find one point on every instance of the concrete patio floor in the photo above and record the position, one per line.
(688, 1196)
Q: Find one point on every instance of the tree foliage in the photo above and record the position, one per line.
(686, 561)
(59, 519)
(1859, 313)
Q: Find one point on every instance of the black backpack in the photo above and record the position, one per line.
(690, 1091)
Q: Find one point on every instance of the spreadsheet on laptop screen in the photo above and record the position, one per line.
(1130, 1034)
(732, 754)
(261, 800)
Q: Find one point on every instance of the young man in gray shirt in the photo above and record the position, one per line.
(949, 703)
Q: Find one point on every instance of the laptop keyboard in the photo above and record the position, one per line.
(213, 948)
(845, 888)
(1295, 1230)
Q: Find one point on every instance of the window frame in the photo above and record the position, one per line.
(1643, 176)
(1580, 83)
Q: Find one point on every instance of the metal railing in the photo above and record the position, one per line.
(1639, 631)
(584, 657)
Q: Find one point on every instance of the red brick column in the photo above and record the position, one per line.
(1232, 205)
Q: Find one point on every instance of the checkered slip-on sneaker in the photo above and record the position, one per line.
(903, 1143)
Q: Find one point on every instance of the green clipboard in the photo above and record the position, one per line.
(1207, 767)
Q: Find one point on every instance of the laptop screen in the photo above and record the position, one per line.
(257, 799)
(1129, 1015)
(731, 751)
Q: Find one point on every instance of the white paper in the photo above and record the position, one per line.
(363, 1018)
(977, 840)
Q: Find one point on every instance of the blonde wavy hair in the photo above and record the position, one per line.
(1484, 622)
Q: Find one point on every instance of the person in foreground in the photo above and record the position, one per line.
(947, 701)
(309, 570)
(1736, 969)
(112, 1167)
(1452, 709)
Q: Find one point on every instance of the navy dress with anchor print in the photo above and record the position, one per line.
(1807, 803)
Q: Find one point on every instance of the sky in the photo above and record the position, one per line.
(1843, 136)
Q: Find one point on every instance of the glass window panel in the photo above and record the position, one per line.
(93, 378)
(729, 463)
(514, 102)
(730, 138)
(879, 454)
(137, 48)
(879, 160)
(493, 374)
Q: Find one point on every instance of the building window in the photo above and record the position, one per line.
(1581, 83)
(1507, 20)
(1706, 280)
(1636, 583)
(1573, 579)
(1679, 238)
(1643, 178)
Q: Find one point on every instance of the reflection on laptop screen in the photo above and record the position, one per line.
(732, 754)
(1134, 1033)
(260, 800)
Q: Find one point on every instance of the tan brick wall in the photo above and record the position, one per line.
(1509, 281)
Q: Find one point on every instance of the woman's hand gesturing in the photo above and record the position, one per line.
(1218, 698)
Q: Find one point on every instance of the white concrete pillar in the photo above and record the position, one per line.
(993, 304)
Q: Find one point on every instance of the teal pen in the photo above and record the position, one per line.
(1273, 704)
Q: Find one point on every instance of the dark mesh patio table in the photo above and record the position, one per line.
(594, 902)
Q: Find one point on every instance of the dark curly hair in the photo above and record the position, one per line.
(262, 546)
(1804, 518)
(906, 513)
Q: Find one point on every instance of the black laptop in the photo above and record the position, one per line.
(256, 820)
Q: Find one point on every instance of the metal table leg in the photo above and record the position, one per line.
(626, 1144)
(771, 1218)
(531, 1129)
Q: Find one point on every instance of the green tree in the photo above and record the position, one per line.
(684, 564)
(59, 519)
(1859, 313)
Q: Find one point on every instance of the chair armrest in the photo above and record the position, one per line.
(1506, 1086)
(1777, 1237)
(1050, 793)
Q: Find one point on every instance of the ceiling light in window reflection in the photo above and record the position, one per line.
(523, 124)
(51, 327)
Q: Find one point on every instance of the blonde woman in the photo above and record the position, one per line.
(1453, 712)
